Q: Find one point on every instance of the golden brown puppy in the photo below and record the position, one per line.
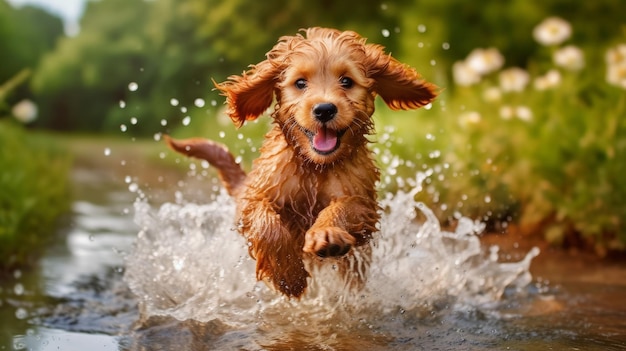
(311, 193)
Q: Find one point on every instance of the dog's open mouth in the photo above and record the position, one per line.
(325, 140)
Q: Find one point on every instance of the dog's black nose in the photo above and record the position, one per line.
(324, 112)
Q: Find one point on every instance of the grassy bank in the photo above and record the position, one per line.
(34, 183)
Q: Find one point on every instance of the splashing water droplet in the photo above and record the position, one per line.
(123, 128)
(174, 102)
(385, 33)
(122, 104)
(163, 122)
(133, 120)
(199, 102)
(186, 120)
(132, 86)
(18, 289)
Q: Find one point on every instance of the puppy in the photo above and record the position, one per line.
(311, 194)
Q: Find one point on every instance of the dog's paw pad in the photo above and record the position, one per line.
(328, 242)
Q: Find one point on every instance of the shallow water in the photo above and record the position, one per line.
(129, 273)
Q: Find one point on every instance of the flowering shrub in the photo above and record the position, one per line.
(548, 142)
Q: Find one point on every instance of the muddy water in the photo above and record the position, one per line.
(117, 279)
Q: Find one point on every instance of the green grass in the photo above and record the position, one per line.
(34, 183)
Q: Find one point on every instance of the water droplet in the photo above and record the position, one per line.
(132, 86)
(133, 120)
(18, 289)
(385, 33)
(157, 136)
(421, 28)
(107, 151)
(487, 198)
(222, 134)
(445, 46)
(123, 128)
(122, 103)
(174, 102)
(199, 102)
(186, 120)
(133, 187)
(163, 122)
(213, 103)
(21, 313)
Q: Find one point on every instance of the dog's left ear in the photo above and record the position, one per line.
(399, 85)
(250, 94)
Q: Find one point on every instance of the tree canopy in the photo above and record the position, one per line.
(174, 49)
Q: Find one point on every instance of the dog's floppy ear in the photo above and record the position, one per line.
(399, 85)
(250, 94)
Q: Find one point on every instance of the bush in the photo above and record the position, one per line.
(35, 192)
(542, 145)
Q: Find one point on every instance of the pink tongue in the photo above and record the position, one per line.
(325, 139)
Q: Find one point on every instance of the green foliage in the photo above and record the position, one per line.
(172, 49)
(25, 35)
(548, 156)
(34, 175)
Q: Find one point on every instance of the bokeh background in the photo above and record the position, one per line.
(528, 134)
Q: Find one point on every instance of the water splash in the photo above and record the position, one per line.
(190, 263)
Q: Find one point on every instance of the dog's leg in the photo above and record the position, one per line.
(277, 252)
(348, 221)
(229, 171)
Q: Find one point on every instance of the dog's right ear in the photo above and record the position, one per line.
(250, 94)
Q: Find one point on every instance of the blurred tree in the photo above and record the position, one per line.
(79, 82)
(173, 49)
(25, 35)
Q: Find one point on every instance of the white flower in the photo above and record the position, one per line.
(570, 58)
(25, 111)
(492, 94)
(616, 55)
(548, 81)
(616, 75)
(552, 31)
(485, 61)
(507, 112)
(464, 75)
(469, 118)
(524, 113)
(616, 66)
(514, 79)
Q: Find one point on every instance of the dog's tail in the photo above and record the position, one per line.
(230, 172)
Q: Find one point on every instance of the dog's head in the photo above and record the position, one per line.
(325, 83)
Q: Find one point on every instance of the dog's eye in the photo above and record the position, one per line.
(300, 83)
(346, 82)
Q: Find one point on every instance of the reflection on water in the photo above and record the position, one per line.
(177, 277)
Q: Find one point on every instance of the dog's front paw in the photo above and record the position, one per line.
(328, 241)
